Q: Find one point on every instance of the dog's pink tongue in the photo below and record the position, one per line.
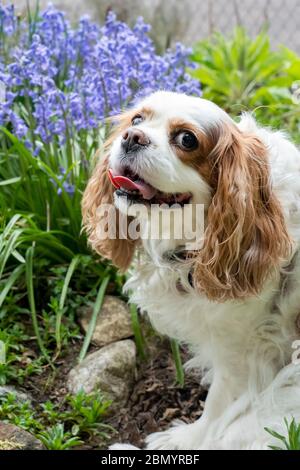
(147, 191)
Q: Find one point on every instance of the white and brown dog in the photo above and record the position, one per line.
(236, 300)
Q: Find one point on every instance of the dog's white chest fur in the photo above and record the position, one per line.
(242, 349)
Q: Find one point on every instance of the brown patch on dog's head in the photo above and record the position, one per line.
(246, 237)
(196, 158)
(99, 191)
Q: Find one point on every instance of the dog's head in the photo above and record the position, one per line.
(174, 148)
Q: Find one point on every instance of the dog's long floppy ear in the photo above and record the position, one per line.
(245, 236)
(99, 191)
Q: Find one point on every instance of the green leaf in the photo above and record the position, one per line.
(9, 283)
(30, 293)
(10, 181)
(62, 300)
(93, 320)
(178, 362)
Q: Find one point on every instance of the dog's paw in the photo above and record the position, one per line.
(178, 437)
(119, 446)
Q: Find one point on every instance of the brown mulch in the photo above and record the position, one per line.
(156, 400)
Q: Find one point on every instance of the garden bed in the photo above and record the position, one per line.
(155, 400)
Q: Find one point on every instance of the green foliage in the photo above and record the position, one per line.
(243, 74)
(59, 426)
(92, 324)
(19, 413)
(16, 324)
(20, 361)
(40, 232)
(87, 412)
(55, 438)
(289, 442)
(238, 70)
(178, 362)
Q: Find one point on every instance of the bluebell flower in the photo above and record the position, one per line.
(63, 80)
(8, 20)
(66, 185)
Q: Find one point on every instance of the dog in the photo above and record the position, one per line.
(235, 298)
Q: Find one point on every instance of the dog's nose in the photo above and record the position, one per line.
(134, 139)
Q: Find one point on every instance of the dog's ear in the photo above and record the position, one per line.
(118, 247)
(245, 236)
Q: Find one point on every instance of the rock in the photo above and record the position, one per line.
(20, 395)
(14, 438)
(113, 322)
(110, 370)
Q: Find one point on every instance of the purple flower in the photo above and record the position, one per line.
(67, 186)
(8, 20)
(61, 81)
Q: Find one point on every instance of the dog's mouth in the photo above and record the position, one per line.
(135, 188)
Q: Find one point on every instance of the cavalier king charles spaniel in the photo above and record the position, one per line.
(235, 300)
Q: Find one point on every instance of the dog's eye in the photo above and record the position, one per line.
(186, 140)
(137, 120)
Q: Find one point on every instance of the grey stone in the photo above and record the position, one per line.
(113, 321)
(110, 370)
(14, 438)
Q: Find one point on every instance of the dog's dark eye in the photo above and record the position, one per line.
(137, 120)
(187, 140)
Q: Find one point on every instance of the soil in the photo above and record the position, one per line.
(156, 399)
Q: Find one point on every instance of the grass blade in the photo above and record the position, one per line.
(9, 249)
(11, 224)
(62, 300)
(10, 282)
(92, 325)
(178, 362)
(10, 181)
(139, 340)
(30, 293)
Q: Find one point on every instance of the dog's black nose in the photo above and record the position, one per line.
(134, 139)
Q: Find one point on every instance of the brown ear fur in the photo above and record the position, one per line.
(99, 191)
(245, 236)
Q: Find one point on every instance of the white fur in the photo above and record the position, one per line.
(242, 348)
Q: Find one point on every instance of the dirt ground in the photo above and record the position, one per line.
(156, 399)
